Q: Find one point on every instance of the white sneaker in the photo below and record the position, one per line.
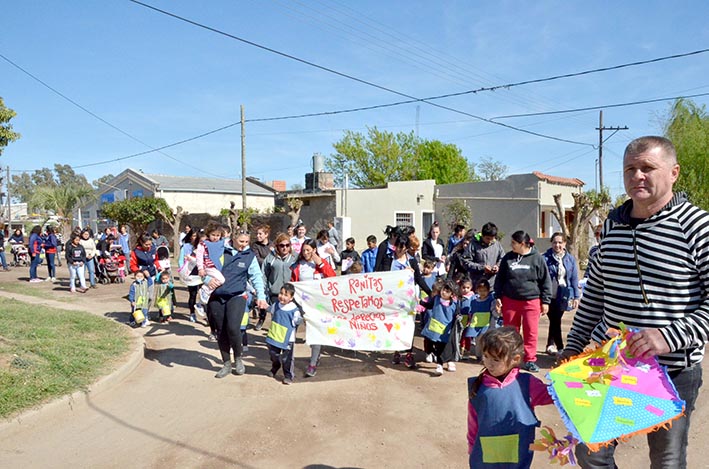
(245, 348)
(48, 279)
(199, 309)
(429, 358)
(146, 323)
(54, 279)
(552, 350)
(439, 369)
(451, 366)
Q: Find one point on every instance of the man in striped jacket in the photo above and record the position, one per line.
(651, 272)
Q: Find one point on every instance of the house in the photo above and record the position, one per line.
(519, 202)
(361, 212)
(196, 195)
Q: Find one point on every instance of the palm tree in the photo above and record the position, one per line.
(62, 200)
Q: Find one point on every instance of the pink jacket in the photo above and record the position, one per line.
(538, 395)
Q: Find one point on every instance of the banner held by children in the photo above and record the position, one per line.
(373, 311)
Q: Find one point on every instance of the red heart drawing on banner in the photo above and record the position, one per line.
(388, 326)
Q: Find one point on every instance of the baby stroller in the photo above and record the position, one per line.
(109, 271)
(20, 255)
(101, 270)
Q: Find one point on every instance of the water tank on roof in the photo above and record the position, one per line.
(318, 163)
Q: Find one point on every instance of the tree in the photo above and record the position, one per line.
(62, 200)
(586, 205)
(491, 170)
(296, 187)
(7, 135)
(101, 182)
(380, 157)
(138, 213)
(687, 125)
(443, 162)
(458, 213)
(374, 159)
(24, 185)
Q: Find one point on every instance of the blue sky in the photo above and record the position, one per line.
(162, 80)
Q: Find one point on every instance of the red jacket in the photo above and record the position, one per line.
(323, 269)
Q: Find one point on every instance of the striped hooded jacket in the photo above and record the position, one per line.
(655, 275)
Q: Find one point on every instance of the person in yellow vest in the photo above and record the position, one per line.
(285, 316)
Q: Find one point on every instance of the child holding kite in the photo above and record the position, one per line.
(501, 419)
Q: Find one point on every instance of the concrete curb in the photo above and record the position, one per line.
(66, 404)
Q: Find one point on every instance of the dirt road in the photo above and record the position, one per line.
(360, 411)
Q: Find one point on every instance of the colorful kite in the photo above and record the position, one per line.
(606, 395)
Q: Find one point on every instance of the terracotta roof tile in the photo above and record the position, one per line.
(559, 180)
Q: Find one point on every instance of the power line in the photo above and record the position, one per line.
(351, 77)
(595, 108)
(96, 116)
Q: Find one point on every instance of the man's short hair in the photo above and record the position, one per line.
(643, 144)
(489, 229)
(372, 239)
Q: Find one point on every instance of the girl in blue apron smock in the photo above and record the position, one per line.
(444, 309)
(501, 419)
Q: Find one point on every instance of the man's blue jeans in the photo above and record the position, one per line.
(668, 448)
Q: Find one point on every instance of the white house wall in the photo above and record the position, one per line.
(371, 210)
(213, 203)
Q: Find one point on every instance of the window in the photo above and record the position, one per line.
(404, 218)
(543, 225)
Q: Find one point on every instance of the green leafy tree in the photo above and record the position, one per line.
(443, 162)
(687, 125)
(138, 213)
(101, 182)
(7, 135)
(62, 200)
(24, 185)
(380, 157)
(491, 170)
(373, 159)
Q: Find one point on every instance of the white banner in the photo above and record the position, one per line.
(372, 311)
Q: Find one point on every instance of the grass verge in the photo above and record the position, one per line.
(46, 353)
(37, 290)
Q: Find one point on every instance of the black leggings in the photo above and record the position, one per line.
(555, 313)
(192, 290)
(226, 315)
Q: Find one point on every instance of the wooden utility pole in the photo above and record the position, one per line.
(9, 206)
(243, 160)
(600, 129)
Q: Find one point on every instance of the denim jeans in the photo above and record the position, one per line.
(74, 272)
(668, 448)
(3, 260)
(51, 269)
(33, 266)
(91, 267)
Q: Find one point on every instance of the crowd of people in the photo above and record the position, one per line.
(649, 271)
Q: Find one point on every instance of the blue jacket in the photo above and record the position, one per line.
(369, 259)
(572, 290)
(240, 267)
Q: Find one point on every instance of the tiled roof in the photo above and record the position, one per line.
(559, 180)
(200, 184)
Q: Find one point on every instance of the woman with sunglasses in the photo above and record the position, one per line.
(227, 304)
(276, 270)
(310, 266)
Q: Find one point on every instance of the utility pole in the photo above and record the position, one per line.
(600, 129)
(9, 207)
(243, 160)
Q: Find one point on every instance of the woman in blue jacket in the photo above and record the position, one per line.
(35, 249)
(564, 274)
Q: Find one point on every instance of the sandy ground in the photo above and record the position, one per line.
(360, 411)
